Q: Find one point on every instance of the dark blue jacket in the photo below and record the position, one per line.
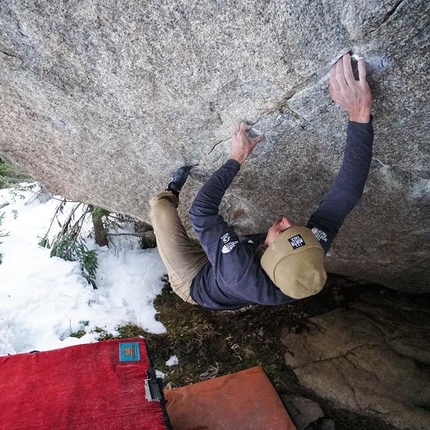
(233, 277)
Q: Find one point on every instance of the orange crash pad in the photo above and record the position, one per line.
(242, 401)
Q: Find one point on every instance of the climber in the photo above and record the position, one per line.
(225, 271)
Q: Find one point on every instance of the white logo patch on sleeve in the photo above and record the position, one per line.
(321, 236)
(225, 238)
(229, 246)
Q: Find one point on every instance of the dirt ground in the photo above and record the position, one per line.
(210, 344)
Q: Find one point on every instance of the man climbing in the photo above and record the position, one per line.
(226, 271)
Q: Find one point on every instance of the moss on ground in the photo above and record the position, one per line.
(210, 344)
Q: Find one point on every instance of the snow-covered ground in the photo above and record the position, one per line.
(43, 300)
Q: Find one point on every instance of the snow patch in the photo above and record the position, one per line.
(172, 361)
(44, 300)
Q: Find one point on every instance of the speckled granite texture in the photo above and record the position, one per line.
(101, 101)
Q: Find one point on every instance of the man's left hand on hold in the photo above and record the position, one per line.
(242, 145)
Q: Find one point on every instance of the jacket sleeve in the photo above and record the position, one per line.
(207, 223)
(348, 187)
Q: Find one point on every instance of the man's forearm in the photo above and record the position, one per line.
(348, 187)
(210, 195)
(356, 161)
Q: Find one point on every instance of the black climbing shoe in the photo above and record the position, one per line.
(178, 180)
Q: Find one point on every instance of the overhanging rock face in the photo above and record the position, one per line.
(102, 101)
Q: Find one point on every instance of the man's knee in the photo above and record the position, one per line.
(161, 203)
(164, 197)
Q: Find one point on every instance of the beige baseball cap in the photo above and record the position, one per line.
(295, 263)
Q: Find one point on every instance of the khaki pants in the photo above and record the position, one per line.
(182, 256)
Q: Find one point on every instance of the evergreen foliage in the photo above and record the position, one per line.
(10, 176)
(69, 244)
(4, 169)
(99, 213)
(71, 248)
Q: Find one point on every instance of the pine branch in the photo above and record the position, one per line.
(148, 234)
(59, 208)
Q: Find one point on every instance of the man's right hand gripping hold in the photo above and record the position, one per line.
(228, 271)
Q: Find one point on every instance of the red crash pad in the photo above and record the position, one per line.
(242, 401)
(100, 386)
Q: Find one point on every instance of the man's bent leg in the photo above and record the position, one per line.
(182, 257)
